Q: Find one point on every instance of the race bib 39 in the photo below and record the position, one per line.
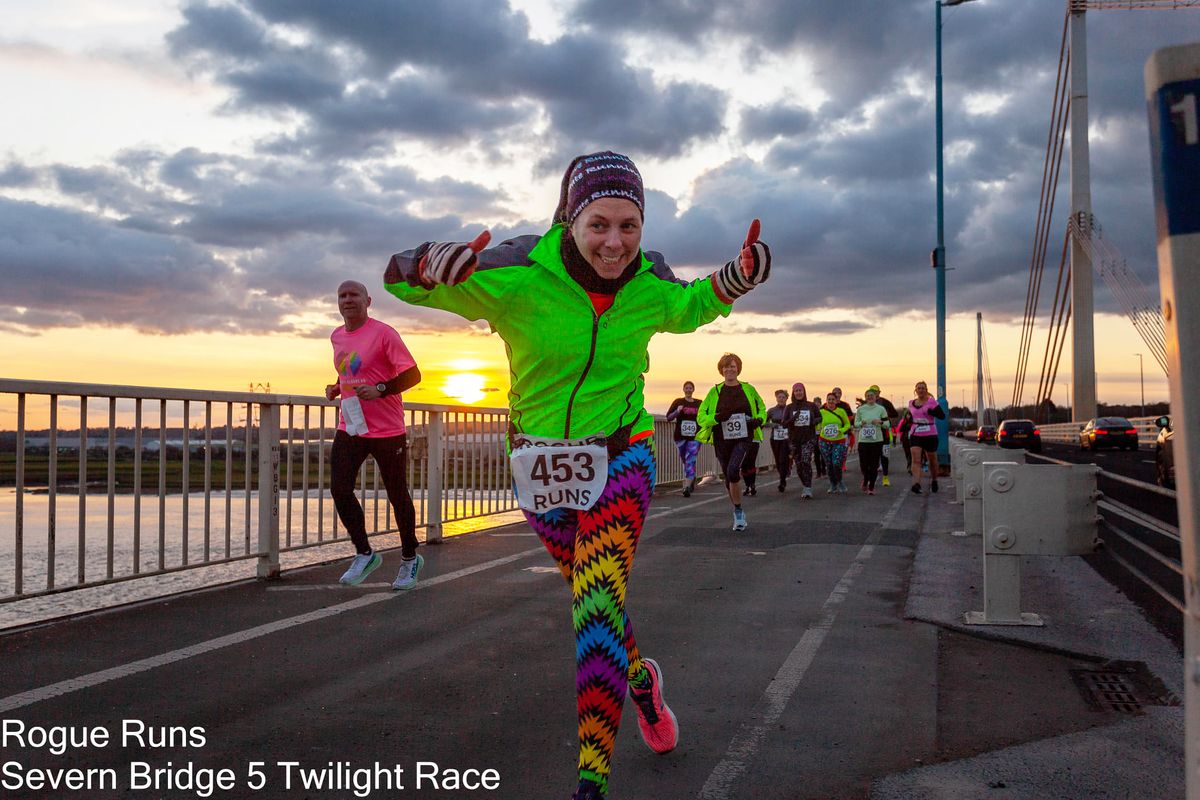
(735, 427)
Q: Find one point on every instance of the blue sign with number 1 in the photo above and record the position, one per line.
(1175, 140)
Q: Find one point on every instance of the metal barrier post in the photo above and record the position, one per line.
(435, 436)
(1030, 511)
(1173, 103)
(957, 471)
(268, 490)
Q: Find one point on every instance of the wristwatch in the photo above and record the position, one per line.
(381, 388)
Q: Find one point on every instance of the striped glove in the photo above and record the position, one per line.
(749, 269)
(450, 263)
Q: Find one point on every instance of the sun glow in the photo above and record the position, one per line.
(466, 387)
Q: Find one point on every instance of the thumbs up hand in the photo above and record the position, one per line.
(749, 269)
(451, 263)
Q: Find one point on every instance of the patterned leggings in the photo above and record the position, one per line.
(688, 450)
(834, 454)
(594, 550)
(802, 454)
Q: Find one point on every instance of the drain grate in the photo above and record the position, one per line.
(1125, 687)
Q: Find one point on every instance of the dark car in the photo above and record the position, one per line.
(1164, 458)
(986, 433)
(1115, 432)
(1014, 433)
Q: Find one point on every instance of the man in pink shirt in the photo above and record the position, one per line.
(374, 367)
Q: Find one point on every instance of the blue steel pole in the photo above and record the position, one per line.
(939, 264)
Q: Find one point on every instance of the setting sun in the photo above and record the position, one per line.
(466, 387)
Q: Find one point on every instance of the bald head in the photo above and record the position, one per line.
(353, 302)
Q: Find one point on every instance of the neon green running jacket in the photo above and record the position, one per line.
(706, 417)
(572, 373)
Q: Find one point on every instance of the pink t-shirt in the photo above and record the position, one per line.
(374, 353)
(922, 415)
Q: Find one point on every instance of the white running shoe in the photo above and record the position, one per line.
(360, 568)
(739, 519)
(407, 577)
(807, 493)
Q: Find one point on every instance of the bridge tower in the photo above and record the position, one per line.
(1083, 345)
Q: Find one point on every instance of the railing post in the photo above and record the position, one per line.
(1173, 100)
(268, 490)
(434, 474)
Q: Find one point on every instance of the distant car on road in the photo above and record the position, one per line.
(1116, 432)
(986, 433)
(1164, 457)
(1014, 433)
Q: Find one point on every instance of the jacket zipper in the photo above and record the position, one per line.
(582, 375)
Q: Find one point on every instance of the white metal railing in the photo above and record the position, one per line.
(1068, 432)
(175, 479)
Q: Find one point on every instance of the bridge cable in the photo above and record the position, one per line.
(1054, 138)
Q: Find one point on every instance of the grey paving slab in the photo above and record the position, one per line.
(787, 653)
(1136, 758)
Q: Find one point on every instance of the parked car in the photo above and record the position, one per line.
(986, 433)
(1108, 432)
(1014, 433)
(1164, 457)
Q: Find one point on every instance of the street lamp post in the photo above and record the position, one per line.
(1142, 381)
(939, 253)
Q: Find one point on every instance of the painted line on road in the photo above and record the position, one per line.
(339, 587)
(745, 745)
(22, 699)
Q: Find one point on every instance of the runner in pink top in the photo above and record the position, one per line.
(923, 436)
(373, 367)
(367, 358)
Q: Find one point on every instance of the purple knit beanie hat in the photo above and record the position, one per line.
(594, 176)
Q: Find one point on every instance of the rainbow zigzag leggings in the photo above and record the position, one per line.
(594, 549)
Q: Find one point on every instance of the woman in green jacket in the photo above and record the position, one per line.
(576, 309)
(833, 428)
(731, 419)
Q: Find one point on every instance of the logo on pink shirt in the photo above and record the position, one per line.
(349, 363)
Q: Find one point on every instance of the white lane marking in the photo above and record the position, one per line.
(338, 587)
(133, 668)
(541, 570)
(91, 679)
(744, 747)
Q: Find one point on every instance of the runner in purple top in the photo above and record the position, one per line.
(683, 413)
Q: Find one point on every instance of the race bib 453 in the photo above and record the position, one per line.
(556, 473)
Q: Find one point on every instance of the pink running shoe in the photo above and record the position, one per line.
(660, 729)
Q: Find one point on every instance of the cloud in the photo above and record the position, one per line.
(447, 74)
(817, 326)
(71, 267)
(194, 239)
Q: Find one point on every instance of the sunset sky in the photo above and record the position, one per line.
(184, 184)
